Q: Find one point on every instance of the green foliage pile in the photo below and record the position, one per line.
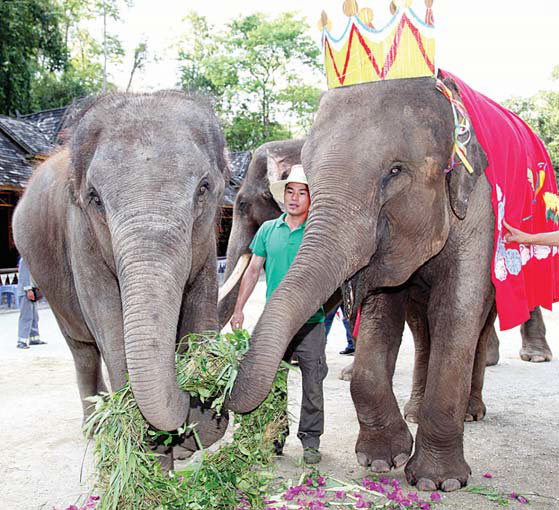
(129, 474)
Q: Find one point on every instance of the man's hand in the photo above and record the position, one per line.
(515, 235)
(30, 295)
(237, 320)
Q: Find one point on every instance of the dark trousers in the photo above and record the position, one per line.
(308, 345)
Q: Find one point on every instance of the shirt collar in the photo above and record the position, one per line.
(281, 221)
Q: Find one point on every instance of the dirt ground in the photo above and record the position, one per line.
(46, 463)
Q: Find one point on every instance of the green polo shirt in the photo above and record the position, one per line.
(278, 244)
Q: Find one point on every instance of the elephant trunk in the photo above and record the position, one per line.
(152, 269)
(329, 253)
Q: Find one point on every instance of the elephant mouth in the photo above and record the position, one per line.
(234, 277)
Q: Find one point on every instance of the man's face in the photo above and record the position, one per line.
(296, 199)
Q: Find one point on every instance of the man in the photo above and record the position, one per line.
(276, 243)
(28, 325)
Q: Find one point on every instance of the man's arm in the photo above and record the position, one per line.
(543, 238)
(248, 282)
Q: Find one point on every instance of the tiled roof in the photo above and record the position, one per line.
(26, 134)
(15, 169)
(239, 165)
(48, 121)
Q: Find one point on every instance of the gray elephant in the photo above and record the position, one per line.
(254, 205)
(118, 230)
(413, 242)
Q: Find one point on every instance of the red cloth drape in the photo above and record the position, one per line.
(520, 173)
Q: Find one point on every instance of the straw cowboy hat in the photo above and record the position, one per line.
(297, 174)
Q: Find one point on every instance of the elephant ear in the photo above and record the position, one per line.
(278, 168)
(460, 181)
(86, 130)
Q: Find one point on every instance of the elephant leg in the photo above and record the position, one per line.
(384, 440)
(346, 373)
(438, 460)
(416, 317)
(534, 344)
(492, 356)
(87, 360)
(476, 408)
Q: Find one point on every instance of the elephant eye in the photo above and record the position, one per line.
(204, 187)
(94, 197)
(396, 169)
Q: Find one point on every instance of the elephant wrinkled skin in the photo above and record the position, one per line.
(118, 229)
(413, 241)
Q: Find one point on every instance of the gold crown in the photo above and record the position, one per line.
(403, 48)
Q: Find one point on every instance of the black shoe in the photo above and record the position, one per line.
(37, 342)
(311, 455)
(278, 447)
(348, 351)
(22, 345)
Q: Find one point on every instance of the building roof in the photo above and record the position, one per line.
(26, 134)
(15, 168)
(48, 121)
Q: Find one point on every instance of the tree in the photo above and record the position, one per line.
(140, 57)
(255, 71)
(541, 113)
(31, 38)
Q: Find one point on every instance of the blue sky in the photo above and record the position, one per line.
(500, 47)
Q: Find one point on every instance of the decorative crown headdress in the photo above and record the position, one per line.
(403, 48)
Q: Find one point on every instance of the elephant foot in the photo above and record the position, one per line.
(346, 373)
(386, 449)
(476, 410)
(411, 410)
(536, 355)
(429, 475)
(431, 471)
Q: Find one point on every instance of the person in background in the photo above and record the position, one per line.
(350, 347)
(276, 243)
(515, 235)
(27, 294)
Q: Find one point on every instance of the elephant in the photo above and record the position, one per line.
(118, 229)
(407, 240)
(254, 205)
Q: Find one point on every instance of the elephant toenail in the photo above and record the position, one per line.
(362, 459)
(380, 466)
(401, 459)
(451, 485)
(411, 418)
(469, 418)
(424, 484)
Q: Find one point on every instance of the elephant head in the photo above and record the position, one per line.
(253, 206)
(381, 206)
(147, 174)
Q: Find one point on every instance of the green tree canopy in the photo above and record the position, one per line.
(84, 73)
(261, 72)
(31, 38)
(541, 113)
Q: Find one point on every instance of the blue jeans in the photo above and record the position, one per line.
(328, 324)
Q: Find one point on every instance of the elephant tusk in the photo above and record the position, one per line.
(234, 277)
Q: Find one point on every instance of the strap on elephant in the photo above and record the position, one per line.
(462, 129)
